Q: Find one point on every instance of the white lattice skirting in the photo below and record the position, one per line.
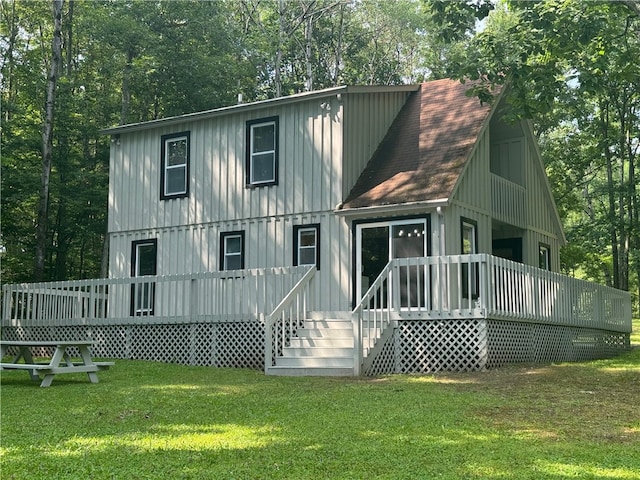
(220, 344)
(478, 344)
(414, 346)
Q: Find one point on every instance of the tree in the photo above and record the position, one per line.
(120, 62)
(578, 58)
(47, 141)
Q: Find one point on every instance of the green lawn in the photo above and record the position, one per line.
(147, 420)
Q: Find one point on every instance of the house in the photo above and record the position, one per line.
(388, 229)
(317, 177)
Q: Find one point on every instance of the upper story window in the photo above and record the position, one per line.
(306, 245)
(262, 152)
(232, 250)
(174, 181)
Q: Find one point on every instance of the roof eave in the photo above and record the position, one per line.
(161, 122)
(391, 209)
(246, 107)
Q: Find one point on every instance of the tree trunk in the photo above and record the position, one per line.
(47, 143)
(308, 37)
(336, 73)
(126, 93)
(9, 60)
(69, 45)
(281, 34)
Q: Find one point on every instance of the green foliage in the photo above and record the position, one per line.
(132, 61)
(157, 421)
(571, 67)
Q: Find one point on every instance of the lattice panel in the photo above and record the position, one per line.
(510, 342)
(111, 341)
(240, 345)
(433, 346)
(385, 361)
(162, 343)
(237, 344)
(444, 345)
(204, 341)
(414, 346)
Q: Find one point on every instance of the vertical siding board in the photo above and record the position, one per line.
(367, 118)
(314, 144)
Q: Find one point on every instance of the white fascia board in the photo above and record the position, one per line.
(395, 209)
(131, 127)
(245, 107)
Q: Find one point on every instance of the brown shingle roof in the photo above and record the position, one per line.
(425, 150)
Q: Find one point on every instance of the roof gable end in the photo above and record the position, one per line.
(424, 152)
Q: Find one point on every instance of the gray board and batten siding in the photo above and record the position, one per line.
(325, 141)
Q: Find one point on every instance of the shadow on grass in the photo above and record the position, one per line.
(148, 420)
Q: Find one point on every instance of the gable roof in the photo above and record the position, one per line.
(247, 107)
(425, 150)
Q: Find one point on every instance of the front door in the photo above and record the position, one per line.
(378, 243)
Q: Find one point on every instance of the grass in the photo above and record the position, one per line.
(147, 420)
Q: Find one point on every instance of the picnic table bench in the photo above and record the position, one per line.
(60, 361)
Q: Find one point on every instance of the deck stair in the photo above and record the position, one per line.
(322, 347)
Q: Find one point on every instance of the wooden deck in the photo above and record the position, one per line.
(248, 318)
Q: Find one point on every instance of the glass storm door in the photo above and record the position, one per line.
(378, 243)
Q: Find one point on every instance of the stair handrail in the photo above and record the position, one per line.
(298, 294)
(377, 318)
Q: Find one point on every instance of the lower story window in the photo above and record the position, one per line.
(306, 245)
(232, 250)
(144, 254)
(544, 256)
(470, 278)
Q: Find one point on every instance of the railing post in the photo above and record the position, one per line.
(356, 321)
(395, 287)
(268, 341)
(482, 283)
(193, 298)
(6, 302)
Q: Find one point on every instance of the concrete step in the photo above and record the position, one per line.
(321, 342)
(319, 352)
(323, 347)
(315, 362)
(325, 333)
(328, 323)
(310, 372)
(333, 315)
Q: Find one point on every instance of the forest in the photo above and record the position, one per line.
(70, 68)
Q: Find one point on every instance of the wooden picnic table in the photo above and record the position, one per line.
(60, 361)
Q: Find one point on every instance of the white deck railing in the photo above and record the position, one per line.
(508, 201)
(287, 317)
(521, 292)
(223, 296)
(484, 286)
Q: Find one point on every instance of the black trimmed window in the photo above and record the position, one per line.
(144, 258)
(469, 246)
(232, 250)
(262, 152)
(544, 256)
(174, 171)
(306, 245)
